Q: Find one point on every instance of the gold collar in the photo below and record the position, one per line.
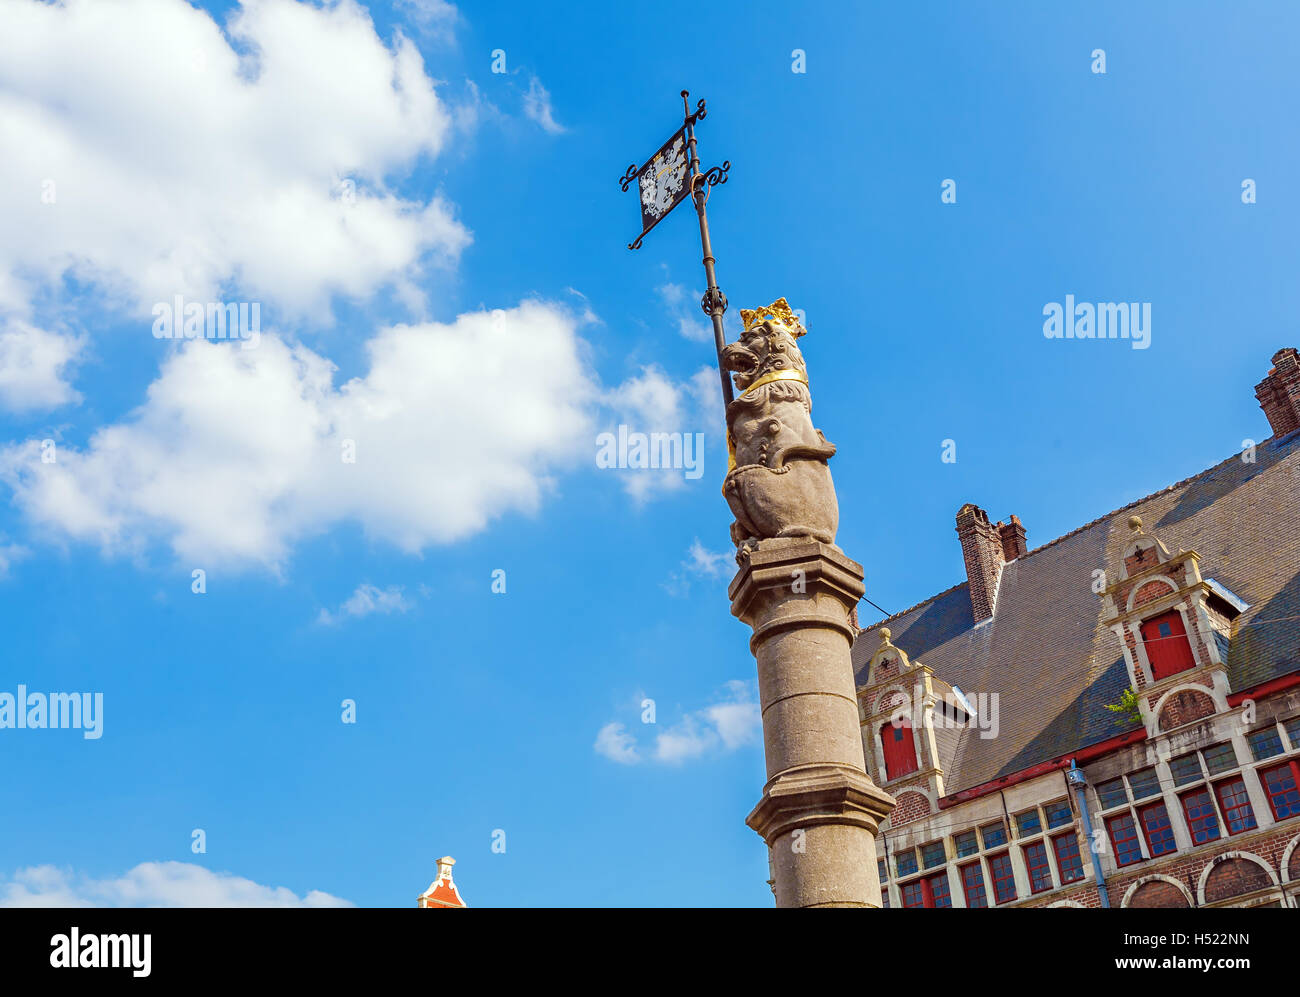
(768, 378)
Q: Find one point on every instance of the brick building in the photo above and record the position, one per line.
(984, 709)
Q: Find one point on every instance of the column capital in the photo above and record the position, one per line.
(797, 569)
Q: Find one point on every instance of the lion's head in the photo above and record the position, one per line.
(761, 349)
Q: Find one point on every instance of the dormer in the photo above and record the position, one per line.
(900, 705)
(1175, 627)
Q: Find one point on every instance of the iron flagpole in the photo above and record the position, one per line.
(714, 301)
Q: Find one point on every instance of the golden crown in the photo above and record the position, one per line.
(779, 310)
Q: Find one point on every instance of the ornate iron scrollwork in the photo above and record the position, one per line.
(718, 174)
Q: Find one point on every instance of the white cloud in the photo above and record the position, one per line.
(33, 363)
(684, 309)
(710, 563)
(365, 600)
(652, 402)
(731, 723)
(235, 454)
(147, 155)
(537, 105)
(9, 554)
(615, 743)
(700, 562)
(435, 18)
(151, 884)
(723, 726)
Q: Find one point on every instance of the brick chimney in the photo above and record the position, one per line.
(986, 547)
(1279, 393)
(1013, 538)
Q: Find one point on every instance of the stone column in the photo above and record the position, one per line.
(820, 810)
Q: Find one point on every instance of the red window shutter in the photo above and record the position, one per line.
(900, 755)
(1168, 649)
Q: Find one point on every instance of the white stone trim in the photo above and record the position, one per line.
(1132, 596)
(1218, 860)
(1143, 880)
(1147, 542)
(916, 825)
(1219, 707)
(1286, 858)
(909, 699)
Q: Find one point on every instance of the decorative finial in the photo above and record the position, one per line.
(1135, 523)
(885, 634)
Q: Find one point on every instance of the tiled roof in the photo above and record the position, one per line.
(1046, 653)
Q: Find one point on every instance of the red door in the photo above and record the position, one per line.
(900, 755)
(1165, 639)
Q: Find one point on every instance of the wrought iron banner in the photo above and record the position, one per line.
(663, 182)
(670, 176)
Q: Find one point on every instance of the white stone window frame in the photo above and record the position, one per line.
(1021, 867)
(1254, 791)
(1289, 885)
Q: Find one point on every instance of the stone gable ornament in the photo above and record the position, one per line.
(778, 483)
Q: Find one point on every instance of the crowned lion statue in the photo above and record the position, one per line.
(778, 483)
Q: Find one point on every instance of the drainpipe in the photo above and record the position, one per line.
(1075, 777)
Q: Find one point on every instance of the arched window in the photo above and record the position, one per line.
(1168, 650)
(900, 754)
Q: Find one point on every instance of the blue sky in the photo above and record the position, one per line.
(438, 253)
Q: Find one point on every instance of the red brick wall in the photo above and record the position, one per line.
(1130, 641)
(1234, 880)
(1187, 867)
(886, 668)
(1233, 877)
(1184, 707)
(1151, 591)
(1158, 893)
(889, 700)
(911, 806)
